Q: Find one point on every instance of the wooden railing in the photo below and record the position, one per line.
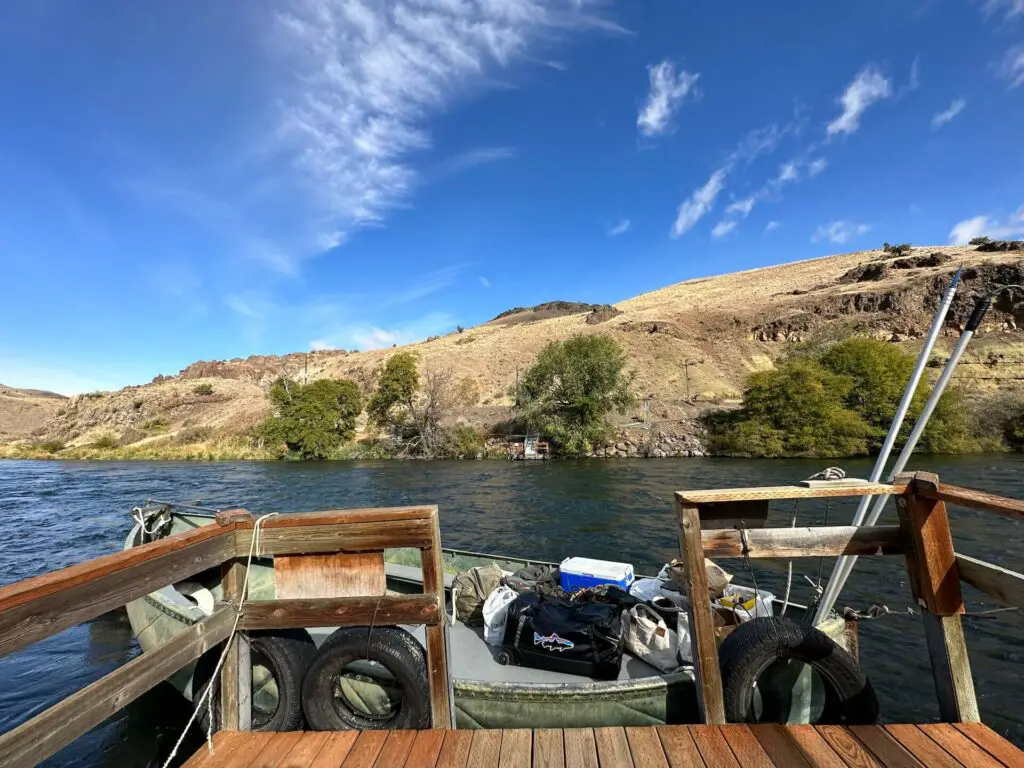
(36, 608)
(716, 524)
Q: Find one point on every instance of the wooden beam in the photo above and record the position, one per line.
(39, 607)
(335, 574)
(995, 581)
(793, 543)
(358, 536)
(346, 516)
(51, 730)
(935, 583)
(342, 612)
(702, 626)
(236, 673)
(698, 498)
(441, 692)
(967, 497)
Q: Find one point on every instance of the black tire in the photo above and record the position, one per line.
(757, 644)
(504, 658)
(391, 647)
(288, 654)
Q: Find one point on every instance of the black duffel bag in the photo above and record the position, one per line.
(576, 638)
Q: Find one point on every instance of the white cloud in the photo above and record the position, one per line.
(771, 226)
(370, 336)
(915, 75)
(368, 78)
(319, 345)
(723, 228)
(699, 203)
(242, 306)
(1010, 9)
(620, 228)
(968, 229)
(869, 86)
(838, 231)
(941, 118)
(742, 207)
(485, 282)
(816, 166)
(1012, 66)
(472, 158)
(787, 172)
(668, 91)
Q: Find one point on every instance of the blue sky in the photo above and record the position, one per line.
(188, 180)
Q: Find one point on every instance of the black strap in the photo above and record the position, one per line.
(519, 630)
(593, 644)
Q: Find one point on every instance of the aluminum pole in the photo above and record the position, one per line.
(841, 570)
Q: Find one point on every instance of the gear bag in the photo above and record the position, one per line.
(471, 588)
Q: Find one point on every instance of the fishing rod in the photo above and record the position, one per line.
(844, 565)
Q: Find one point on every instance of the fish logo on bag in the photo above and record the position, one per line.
(552, 642)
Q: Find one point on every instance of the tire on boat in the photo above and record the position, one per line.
(286, 654)
(359, 681)
(750, 649)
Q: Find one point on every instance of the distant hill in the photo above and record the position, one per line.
(725, 327)
(24, 411)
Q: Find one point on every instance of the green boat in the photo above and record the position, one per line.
(487, 694)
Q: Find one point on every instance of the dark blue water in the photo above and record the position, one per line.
(53, 514)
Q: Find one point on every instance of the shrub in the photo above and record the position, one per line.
(465, 340)
(463, 441)
(193, 435)
(105, 442)
(459, 329)
(206, 388)
(137, 403)
(393, 400)
(903, 249)
(49, 446)
(571, 388)
(159, 424)
(313, 419)
(979, 240)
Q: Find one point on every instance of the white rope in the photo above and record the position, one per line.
(207, 696)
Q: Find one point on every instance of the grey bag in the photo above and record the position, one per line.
(470, 589)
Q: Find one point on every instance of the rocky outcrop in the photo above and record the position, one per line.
(602, 314)
(657, 443)
(995, 246)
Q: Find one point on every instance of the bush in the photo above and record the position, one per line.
(903, 249)
(159, 424)
(203, 389)
(313, 419)
(49, 446)
(979, 240)
(463, 441)
(193, 435)
(571, 388)
(391, 404)
(105, 442)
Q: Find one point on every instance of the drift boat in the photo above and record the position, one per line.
(487, 694)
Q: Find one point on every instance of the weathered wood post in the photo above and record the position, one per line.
(236, 673)
(935, 583)
(437, 647)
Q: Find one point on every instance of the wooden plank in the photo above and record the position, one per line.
(713, 747)
(702, 626)
(548, 748)
(516, 744)
(612, 748)
(367, 746)
(792, 543)
(645, 747)
(695, 498)
(224, 743)
(679, 748)
(921, 747)
(845, 744)
(342, 611)
(438, 668)
(995, 581)
(347, 537)
(277, 750)
(334, 752)
(54, 728)
(935, 583)
(425, 749)
(396, 749)
(884, 747)
(236, 673)
(345, 517)
(779, 745)
(455, 750)
(967, 497)
(33, 609)
(580, 748)
(748, 750)
(305, 752)
(993, 743)
(730, 514)
(486, 748)
(815, 749)
(337, 574)
(959, 746)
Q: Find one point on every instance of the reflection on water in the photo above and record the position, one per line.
(55, 514)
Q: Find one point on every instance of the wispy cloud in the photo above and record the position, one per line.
(742, 207)
(941, 118)
(816, 166)
(371, 75)
(697, 205)
(668, 90)
(868, 87)
(1010, 10)
(472, 158)
(723, 228)
(989, 225)
(424, 285)
(485, 282)
(1011, 68)
(364, 336)
(771, 226)
(838, 231)
(620, 228)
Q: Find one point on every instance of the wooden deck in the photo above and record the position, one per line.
(670, 746)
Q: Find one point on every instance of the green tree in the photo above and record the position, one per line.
(313, 419)
(572, 387)
(392, 403)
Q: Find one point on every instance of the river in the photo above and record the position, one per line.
(54, 514)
